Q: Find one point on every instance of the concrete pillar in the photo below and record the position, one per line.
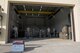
(76, 13)
(4, 29)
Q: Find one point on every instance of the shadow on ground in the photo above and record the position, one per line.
(28, 47)
(31, 39)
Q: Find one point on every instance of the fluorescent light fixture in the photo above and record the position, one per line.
(40, 8)
(24, 7)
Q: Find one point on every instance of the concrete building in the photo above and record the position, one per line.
(64, 9)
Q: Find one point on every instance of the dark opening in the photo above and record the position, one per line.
(39, 21)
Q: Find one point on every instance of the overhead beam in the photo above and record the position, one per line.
(34, 12)
(55, 13)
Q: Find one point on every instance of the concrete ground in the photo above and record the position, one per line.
(46, 46)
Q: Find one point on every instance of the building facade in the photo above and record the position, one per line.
(5, 15)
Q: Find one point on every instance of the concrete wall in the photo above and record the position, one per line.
(33, 21)
(61, 19)
(4, 30)
(76, 12)
(13, 17)
(58, 2)
(37, 21)
(4, 4)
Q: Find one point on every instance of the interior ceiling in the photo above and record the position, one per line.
(35, 10)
